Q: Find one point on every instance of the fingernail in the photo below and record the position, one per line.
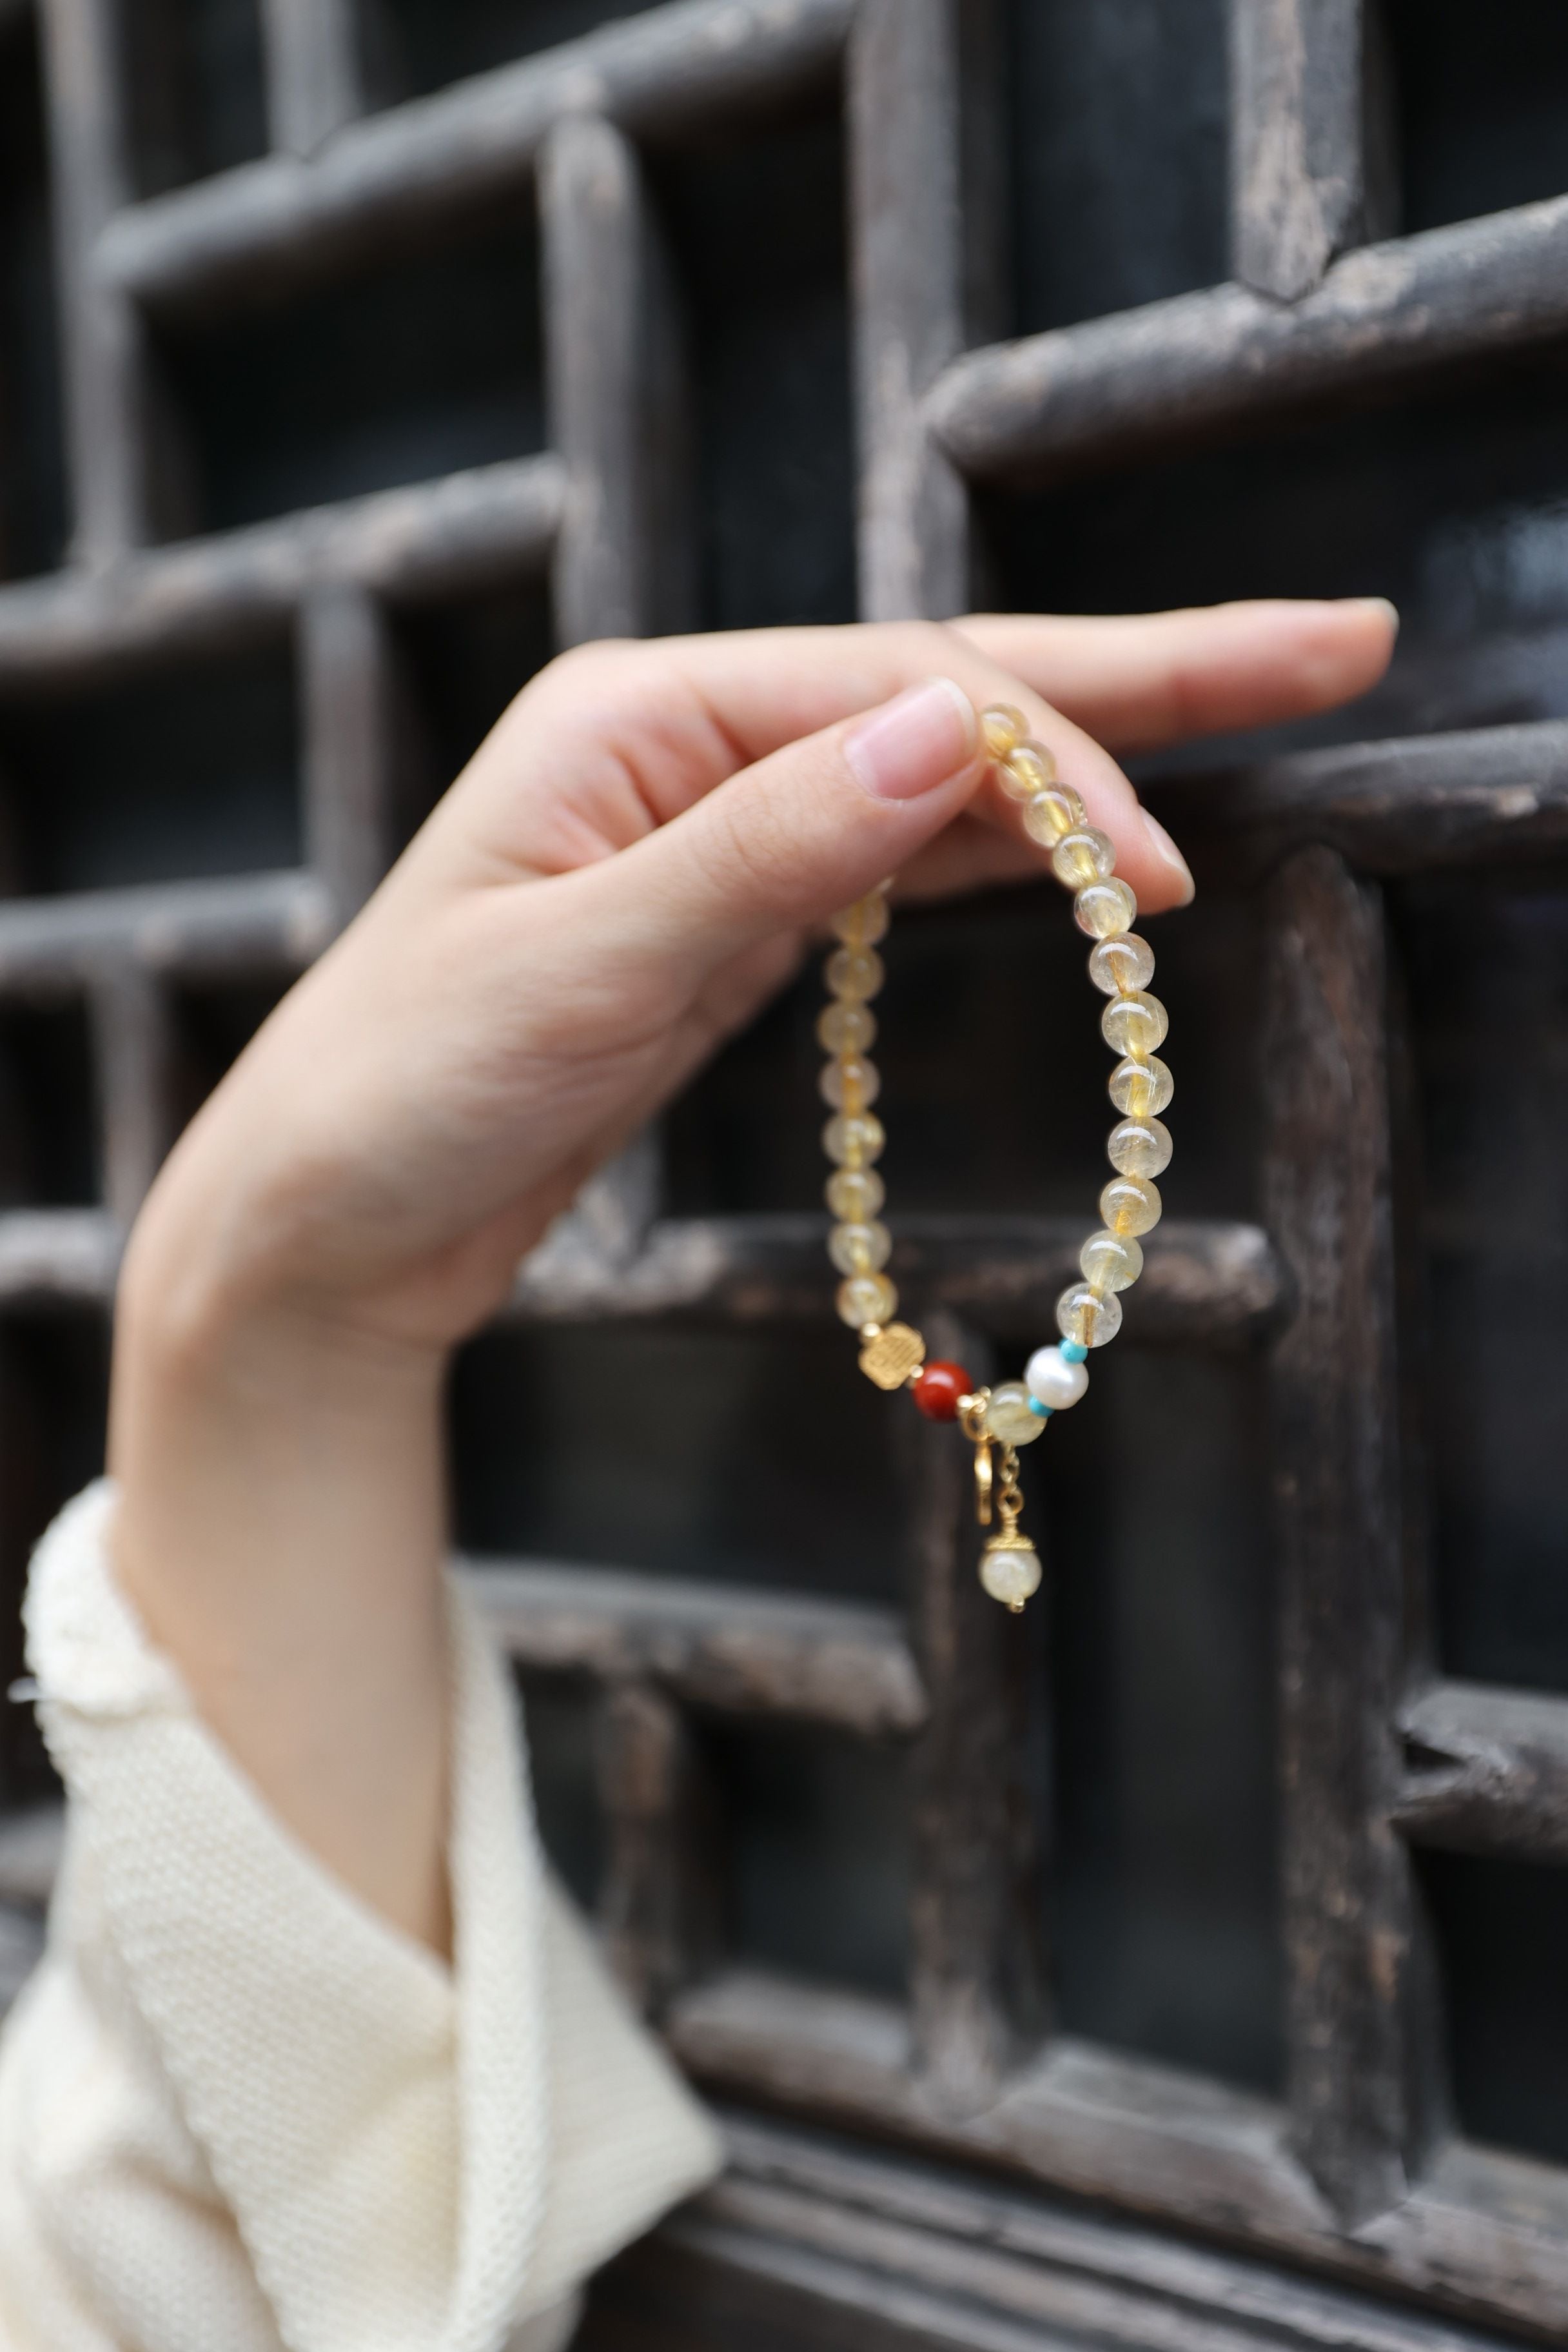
(915, 742)
(1165, 850)
(1382, 604)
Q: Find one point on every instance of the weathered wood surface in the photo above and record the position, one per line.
(599, 342)
(904, 100)
(134, 1066)
(1347, 1903)
(350, 698)
(976, 1974)
(1486, 1771)
(1405, 805)
(108, 421)
(716, 1645)
(1483, 2234)
(659, 1903)
(1297, 191)
(311, 62)
(58, 1257)
(252, 924)
(460, 534)
(283, 220)
(1207, 1283)
(1141, 379)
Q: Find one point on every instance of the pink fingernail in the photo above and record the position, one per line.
(1165, 850)
(915, 742)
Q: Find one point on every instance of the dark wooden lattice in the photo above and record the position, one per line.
(1355, 2172)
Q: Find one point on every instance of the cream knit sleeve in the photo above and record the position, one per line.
(237, 2109)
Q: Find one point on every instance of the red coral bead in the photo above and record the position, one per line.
(939, 1388)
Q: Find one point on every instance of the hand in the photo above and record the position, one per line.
(625, 872)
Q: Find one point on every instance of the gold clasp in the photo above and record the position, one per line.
(972, 1417)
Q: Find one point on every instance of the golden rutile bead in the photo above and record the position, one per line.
(1103, 909)
(1142, 1085)
(855, 973)
(1086, 1317)
(855, 1194)
(1120, 964)
(1010, 1417)
(1131, 1204)
(850, 1084)
(860, 1248)
(1140, 1147)
(1025, 771)
(1135, 1024)
(866, 1299)
(1001, 727)
(1084, 855)
(1111, 1261)
(854, 1140)
(863, 923)
(1051, 814)
(846, 1028)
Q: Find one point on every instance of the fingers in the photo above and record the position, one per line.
(1142, 679)
(783, 843)
(622, 739)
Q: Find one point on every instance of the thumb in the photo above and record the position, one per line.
(803, 832)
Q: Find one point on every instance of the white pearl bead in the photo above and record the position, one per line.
(1053, 1379)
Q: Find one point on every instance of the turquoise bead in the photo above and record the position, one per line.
(1073, 1350)
(1044, 1411)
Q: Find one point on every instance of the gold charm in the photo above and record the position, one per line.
(890, 1353)
(1009, 1565)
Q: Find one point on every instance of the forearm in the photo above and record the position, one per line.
(280, 1531)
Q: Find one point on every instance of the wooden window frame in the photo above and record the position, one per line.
(1356, 2170)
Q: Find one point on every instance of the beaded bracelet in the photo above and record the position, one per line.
(1088, 1311)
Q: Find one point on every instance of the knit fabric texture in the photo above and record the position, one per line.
(239, 2108)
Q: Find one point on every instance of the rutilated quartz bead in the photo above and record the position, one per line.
(855, 973)
(1052, 813)
(1111, 1261)
(863, 923)
(860, 1248)
(1118, 965)
(846, 1028)
(1140, 1147)
(855, 1194)
(850, 1084)
(1142, 1085)
(1131, 1204)
(1105, 909)
(1009, 1416)
(854, 1140)
(1085, 855)
(1027, 769)
(1001, 727)
(1083, 1315)
(866, 1299)
(1135, 1024)
(1010, 1572)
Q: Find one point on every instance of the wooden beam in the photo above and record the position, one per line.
(904, 108)
(767, 1654)
(134, 1066)
(58, 1257)
(1407, 805)
(976, 1989)
(1486, 1771)
(658, 1908)
(393, 175)
(599, 339)
(253, 924)
(1297, 181)
(107, 393)
(1347, 1901)
(349, 690)
(311, 61)
(1389, 315)
(460, 535)
(1207, 1283)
